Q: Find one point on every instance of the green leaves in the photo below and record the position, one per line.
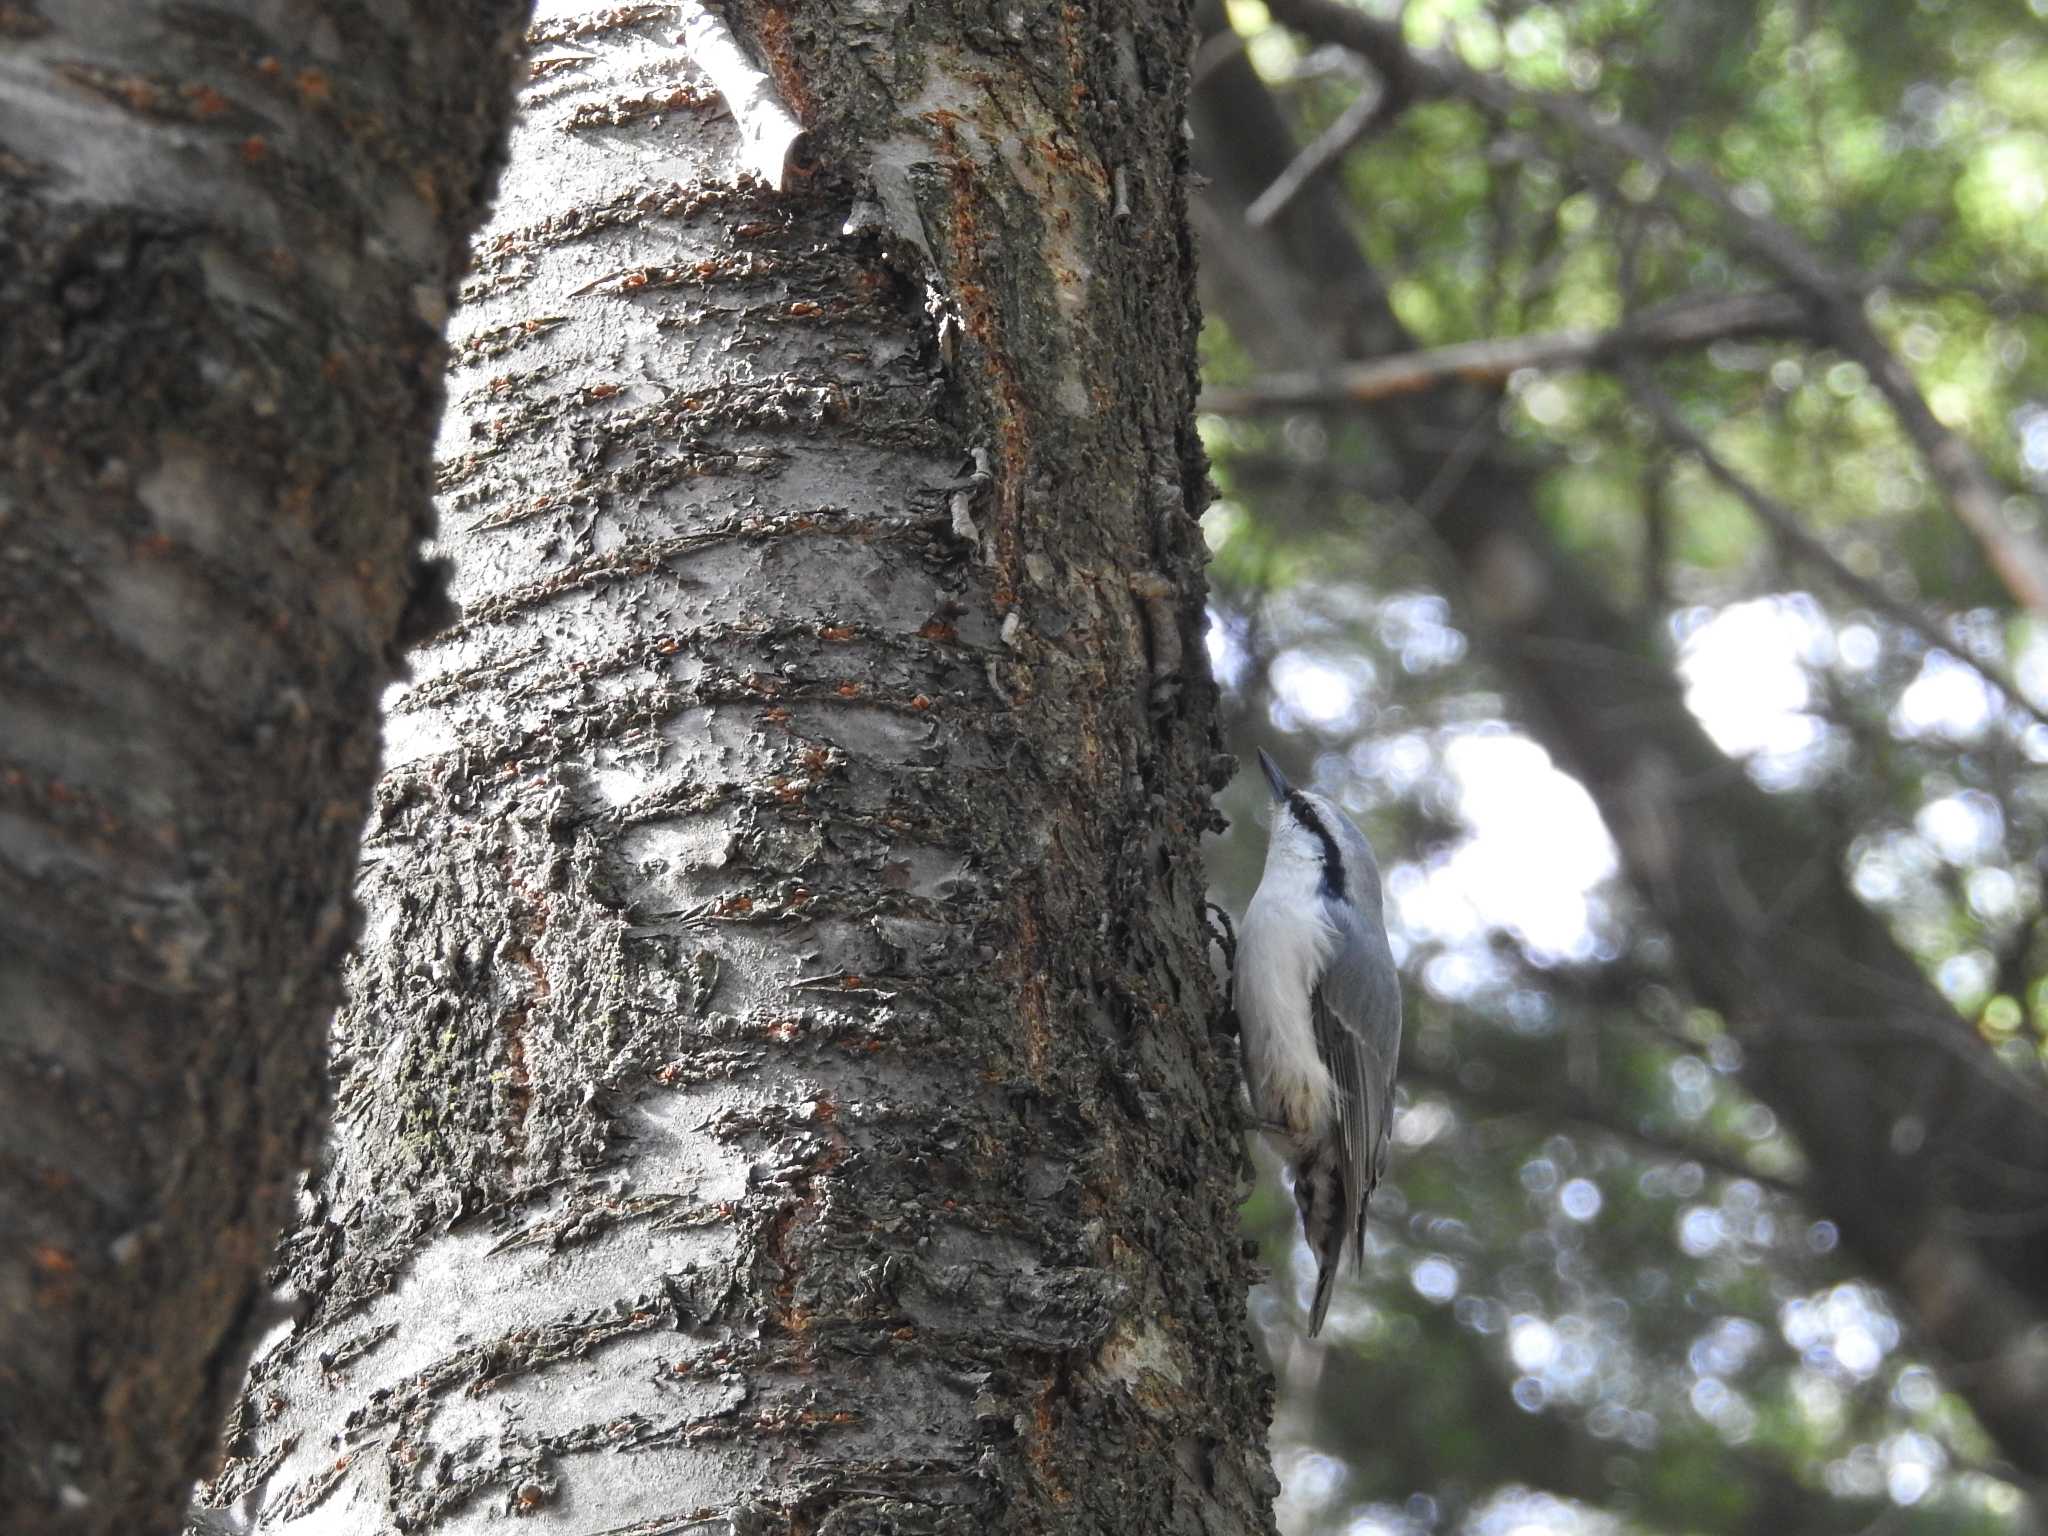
(1900, 153)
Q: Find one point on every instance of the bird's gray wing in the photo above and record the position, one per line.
(1356, 1007)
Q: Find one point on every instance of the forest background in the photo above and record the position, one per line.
(1631, 421)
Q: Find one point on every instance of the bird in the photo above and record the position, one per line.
(1318, 1003)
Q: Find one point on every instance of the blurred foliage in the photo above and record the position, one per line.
(1594, 1298)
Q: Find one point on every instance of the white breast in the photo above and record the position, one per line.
(1280, 955)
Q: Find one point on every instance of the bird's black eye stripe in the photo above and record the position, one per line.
(1333, 861)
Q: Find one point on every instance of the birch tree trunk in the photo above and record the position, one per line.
(776, 1090)
(227, 237)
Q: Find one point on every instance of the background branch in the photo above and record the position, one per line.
(1373, 107)
(1682, 324)
(1782, 521)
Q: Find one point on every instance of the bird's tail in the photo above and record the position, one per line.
(1319, 1194)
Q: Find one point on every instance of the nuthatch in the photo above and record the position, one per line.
(1319, 1010)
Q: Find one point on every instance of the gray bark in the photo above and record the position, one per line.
(227, 236)
(776, 1088)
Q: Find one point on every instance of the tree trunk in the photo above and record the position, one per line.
(1926, 1151)
(776, 1089)
(227, 237)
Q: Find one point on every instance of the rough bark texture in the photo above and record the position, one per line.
(227, 240)
(776, 1090)
(1929, 1155)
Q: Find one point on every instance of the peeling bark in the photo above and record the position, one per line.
(227, 238)
(776, 1088)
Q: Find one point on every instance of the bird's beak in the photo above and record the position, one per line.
(1274, 777)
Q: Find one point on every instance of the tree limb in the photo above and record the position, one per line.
(1672, 327)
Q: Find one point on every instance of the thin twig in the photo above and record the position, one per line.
(1671, 327)
(1450, 476)
(768, 131)
(1781, 520)
(1371, 109)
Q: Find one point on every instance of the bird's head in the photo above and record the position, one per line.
(1311, 834)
